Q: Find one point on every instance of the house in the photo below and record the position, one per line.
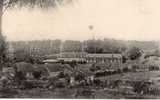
(152, 63)
(90, 58)
(109, 59)
(72, 56)
(104, 58)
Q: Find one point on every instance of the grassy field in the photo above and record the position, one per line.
(133, 76)
(70, 93)
(64, 93)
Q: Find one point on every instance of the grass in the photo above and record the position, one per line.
(133, 76)
(69, 93)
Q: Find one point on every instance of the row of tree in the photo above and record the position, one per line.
(31, 49)
(90, 46)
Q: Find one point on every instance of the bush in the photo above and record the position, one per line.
(61, 75)
(135, 67)
(60, 84)
(79, 77)
(119, 71)
(28, 85)
(73, 64)
(20, 76)
(140, 86)
(95, 68)
(37, 74)
(97, 82)
(134, 53)
(125, 69)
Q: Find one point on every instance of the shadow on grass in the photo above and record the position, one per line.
(8, 93)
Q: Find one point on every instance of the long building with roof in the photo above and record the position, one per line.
(103, 59)
(72, 56)
(106, 60)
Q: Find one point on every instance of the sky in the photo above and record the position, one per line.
(118, 19)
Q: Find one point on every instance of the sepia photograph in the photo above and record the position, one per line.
(80, 49)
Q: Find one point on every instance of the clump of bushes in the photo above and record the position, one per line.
(37, 74)
(141, 87)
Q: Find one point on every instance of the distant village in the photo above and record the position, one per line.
(90, 69)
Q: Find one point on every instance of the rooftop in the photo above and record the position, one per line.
(105, 55)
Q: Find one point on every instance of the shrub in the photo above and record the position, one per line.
(79, 77)
(61, 75)
(28, 85)
(134, 53)
(37, 74)
(20, 76)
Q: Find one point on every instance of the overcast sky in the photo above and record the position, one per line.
(119, 19)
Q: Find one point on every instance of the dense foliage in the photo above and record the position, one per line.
(134, 53)
(36, 51)
(45, 4)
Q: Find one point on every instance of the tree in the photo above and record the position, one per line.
(134, 53)
(156, 53)
(105, 46)
(37, 74)
(124, 59)
(5, 4)
(45, 4)
(2, 39)
(72, 46)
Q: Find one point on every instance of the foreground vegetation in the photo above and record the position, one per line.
(25, 76)
(26, 80)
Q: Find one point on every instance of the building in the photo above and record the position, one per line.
(90, 58)
(106, 59)
(72, 56)
(10, 52)
(81, 57)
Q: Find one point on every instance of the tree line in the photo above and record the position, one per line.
(49, 47)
